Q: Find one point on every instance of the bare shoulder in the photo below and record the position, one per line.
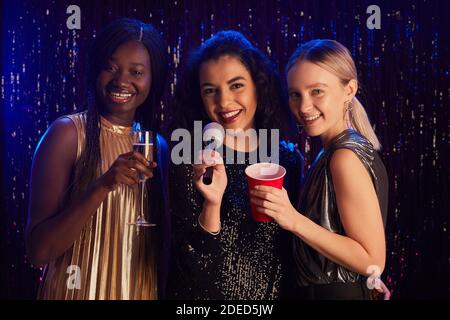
(62, 130)
(345, 163)
(60, 138)
(342, 158)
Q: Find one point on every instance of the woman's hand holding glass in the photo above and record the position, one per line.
(126, 170)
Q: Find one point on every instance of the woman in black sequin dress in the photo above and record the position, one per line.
(339, 225)
(219, 252)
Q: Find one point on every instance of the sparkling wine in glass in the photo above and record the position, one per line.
(143, 143)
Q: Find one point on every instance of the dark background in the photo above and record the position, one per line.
(404, 72)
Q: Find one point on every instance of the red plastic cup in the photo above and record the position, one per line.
(264, 174)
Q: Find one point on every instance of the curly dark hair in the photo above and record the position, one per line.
(271, 110)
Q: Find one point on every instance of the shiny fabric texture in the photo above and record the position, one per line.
(112, 259)
(318, 203)
(247, 260)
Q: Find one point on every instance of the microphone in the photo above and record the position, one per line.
(213, 134)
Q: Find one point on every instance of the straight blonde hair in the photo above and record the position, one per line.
(335, 58)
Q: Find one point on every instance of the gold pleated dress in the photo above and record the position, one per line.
(111, 259)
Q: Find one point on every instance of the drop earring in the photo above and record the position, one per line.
(348, 114)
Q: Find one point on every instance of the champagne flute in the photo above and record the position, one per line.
(143, 143)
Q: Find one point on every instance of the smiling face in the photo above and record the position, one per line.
(228, 93)
(124, 82)
(318, 98)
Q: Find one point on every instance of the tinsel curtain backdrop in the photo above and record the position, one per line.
(403, 69)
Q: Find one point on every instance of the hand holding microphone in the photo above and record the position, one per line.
(210, 177)
(213, 135)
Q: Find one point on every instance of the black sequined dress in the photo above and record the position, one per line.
(246, 260)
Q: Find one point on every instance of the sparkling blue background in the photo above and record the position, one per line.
(404, 72)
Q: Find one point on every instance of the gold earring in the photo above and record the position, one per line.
(349, 106)
(348, 111)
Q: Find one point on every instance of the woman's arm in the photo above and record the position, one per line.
(363, 245)
(52, 227)
(49, 232)
(209, 217)
(196, 253)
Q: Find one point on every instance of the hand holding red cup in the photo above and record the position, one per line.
(264, 174)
